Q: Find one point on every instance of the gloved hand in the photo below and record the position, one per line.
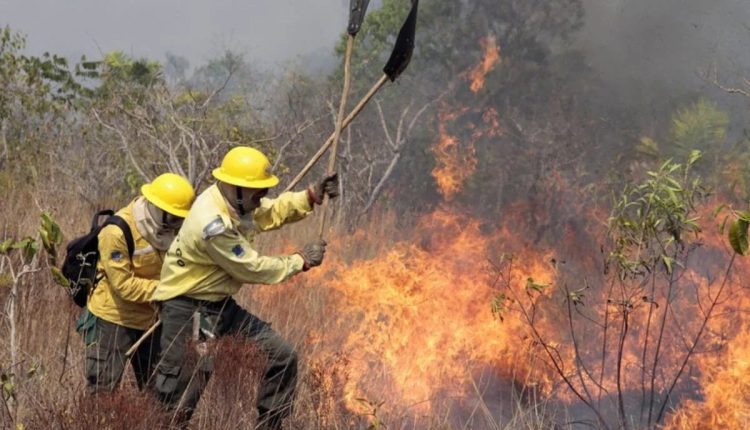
(328, 186)
(313, 254)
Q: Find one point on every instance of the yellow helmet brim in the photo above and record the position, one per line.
(270, 181)
(149, 194)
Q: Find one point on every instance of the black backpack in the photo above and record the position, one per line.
(82, 255)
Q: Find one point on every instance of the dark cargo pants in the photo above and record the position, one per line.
(106, 345)
(181, 375)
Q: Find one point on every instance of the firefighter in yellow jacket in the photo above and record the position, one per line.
(209, 261)
(119, 309)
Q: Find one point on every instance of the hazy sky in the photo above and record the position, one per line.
(663, 42)
(666, 40)
(265, 30)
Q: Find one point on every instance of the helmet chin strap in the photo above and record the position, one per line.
(240, 202)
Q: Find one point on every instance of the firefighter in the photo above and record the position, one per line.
(119, 309)
(211, 258)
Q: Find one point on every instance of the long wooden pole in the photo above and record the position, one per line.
(348, 120)
(339, 126)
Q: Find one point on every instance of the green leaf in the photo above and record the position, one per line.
(498, 306)
(743, 215)
(50, 226)
(9, 389)
(738, 236)
(576, 297)
(23, 243)
(648, 146)
(723, 224)
(59, 277)
(28, 246)
(5, 246)
(531, 285)
(667, 263)
(695, 155)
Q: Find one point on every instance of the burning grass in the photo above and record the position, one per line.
(397, 328)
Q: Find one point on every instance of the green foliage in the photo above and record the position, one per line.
(738, 228)
(5, 245)
(531, 285)
(9, 388)
(37, 94)
(38, 84)
(52, 237)
(134, 181)
(499, 306)
(650, 220)
(448, 35)
(738, 236)
(50, 233)
(118, 67)
(375, 40)
(577, 296)
(118, 75)
(734, 166)
(28, 247)
(647, 146)
(699, 126)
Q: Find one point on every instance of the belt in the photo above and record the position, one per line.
(204, 304)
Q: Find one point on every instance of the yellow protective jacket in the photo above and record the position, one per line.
(210, 259)
(123, 295)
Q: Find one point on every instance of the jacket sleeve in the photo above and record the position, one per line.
(116, 262)
(234, 254)
(287, 208)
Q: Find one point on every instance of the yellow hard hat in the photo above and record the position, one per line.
(171, 193)
(246, 167)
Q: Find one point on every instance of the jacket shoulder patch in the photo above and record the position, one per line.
(214, 228)
(238, 251)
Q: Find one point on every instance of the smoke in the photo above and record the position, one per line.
(646, 50)
(268, 31)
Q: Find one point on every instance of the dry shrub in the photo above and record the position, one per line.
(230, 398)
(124, 409)
(319, 403)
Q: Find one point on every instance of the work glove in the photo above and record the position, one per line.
(313, 254)
(328, 186)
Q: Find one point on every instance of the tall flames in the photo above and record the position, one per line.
(491, 58)
(456, 161)
(416, 321)
(421, 326)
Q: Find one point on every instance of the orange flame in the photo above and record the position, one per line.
(416, 320)
(454, 162)
(726, 403)
(423, 326)
(490, 59)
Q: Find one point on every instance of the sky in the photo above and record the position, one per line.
(268, 31)
(653, 42)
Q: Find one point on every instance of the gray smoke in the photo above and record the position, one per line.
(657, 48)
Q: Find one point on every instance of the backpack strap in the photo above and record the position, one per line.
(118, 221)
(95, 221)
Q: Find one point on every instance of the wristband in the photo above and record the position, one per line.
(305, 266)
(311, 197)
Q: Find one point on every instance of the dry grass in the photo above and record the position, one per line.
(49, 386)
